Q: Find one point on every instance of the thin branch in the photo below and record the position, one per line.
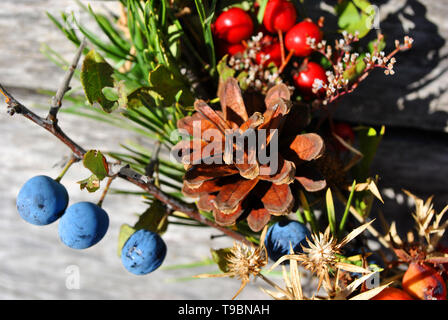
(125, 173)
(64, 87)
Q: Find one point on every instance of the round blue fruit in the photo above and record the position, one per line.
(143, 252)
(42, 200)
(83, 225)
(281, 234)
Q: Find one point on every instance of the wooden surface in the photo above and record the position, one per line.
(413, 155)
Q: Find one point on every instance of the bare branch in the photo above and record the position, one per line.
(64, 87)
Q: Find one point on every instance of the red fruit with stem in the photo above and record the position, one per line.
(424, 282)
(392, 294)
(233, 26)
(270, 53)
(308, 74)
(344, 131)
(296, 38)
(279, 15)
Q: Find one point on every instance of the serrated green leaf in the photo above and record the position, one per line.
(92, 183)
(125, 232)
(96, 74)
(221, 256)
(96, 163)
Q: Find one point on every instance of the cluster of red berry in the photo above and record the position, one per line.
(233, 27)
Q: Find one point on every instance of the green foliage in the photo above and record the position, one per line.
(96, 74)
(91, 184)
(96, 163)
(355, 16)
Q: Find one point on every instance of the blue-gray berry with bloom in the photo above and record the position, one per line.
(83, 225)
(41, 200)
(281, 234)
(143, 252)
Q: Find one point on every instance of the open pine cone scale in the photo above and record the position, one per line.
(235, 188)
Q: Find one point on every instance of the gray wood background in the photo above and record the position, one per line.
(33, 264)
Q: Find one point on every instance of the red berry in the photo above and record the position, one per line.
(296, 37)
(229, 48)
(270, 53)
(233, 26)
(344, 131)
(279, 15)
(392, 294)
(307, 75)
(424, 282)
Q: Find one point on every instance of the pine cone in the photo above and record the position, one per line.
(234, 182)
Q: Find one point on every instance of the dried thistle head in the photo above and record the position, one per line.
(293, 287)
(321, 256)
(244, 261)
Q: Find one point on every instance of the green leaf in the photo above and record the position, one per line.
(242, 80)
(355, 16)
(96, 74)
(96, 163)
(125, 232)
(167, 85)
(331, 212)
(347, 209)
(260, 14)
(356, 70)
(92, 183)
(154, 218)
(369, 140)
(308, 212)
(111, 94)
(377, 45)
(224, 70)
(221, 257)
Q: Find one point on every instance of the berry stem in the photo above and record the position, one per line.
(282, 45)
(67, 166)
(285, 63)
(106, 190)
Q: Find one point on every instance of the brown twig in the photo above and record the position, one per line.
(125, 173)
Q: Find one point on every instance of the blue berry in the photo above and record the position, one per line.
(42, 200)
(143, 252)
(281, 234)
(83, 225)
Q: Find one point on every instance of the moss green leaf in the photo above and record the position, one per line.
(96, 74)
(96, 163)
